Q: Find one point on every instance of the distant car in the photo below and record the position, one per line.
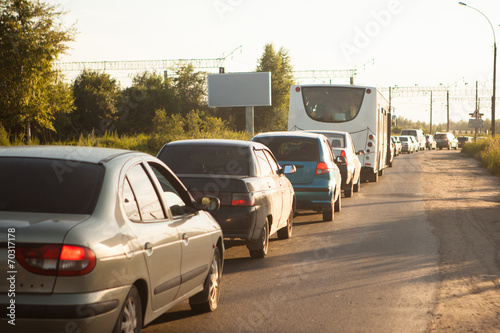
(317, 182)
(430, 143)
(342, 145)
(446, 140)
(397, 145)
(462, 140)
(257, 199)
(105, 239)
(407, 144)
(419, 136)
(416, 144)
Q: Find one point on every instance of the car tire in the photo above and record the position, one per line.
(357, 186)
(338, 204)
(130, 318)
(328, 213)
(258, 250)
(286, 232)
(349, 189)
(208, 299)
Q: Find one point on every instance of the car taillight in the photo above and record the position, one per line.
(242, 199)
(65, 260)
(322, 168)
(343, 154)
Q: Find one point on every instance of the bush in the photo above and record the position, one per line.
(487, 151)
(4, 137)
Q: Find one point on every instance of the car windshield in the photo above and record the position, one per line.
(206, 159)
(292, 148)
(403, 138)
(49, 186)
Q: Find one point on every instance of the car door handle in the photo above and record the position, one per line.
(149, 248)
(185, 238)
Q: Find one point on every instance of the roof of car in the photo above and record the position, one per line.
(215, 142)
(326, 131)
(70, 153)
(290, 134)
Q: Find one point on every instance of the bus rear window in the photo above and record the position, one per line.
(332, 104)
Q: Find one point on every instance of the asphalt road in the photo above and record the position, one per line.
(373, 269)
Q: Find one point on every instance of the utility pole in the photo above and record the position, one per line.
(430, 121)
(447, 110)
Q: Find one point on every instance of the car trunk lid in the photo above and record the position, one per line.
(305, 171)
(30, 230)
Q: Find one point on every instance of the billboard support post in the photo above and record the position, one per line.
(249, 112)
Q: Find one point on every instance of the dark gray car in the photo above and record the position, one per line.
(257, 199)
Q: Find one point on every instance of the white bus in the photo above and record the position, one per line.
(360, 110)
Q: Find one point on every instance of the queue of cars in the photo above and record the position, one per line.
(110, 239)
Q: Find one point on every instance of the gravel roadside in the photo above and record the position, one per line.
(463, 207)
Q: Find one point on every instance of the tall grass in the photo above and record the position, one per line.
(487, 151)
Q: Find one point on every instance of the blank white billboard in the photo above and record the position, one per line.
(239, 89)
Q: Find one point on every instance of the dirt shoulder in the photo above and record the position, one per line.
(463, 206)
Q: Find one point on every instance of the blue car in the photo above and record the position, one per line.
(317, 180)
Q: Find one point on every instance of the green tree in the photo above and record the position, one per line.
(96, 95)
(137, 106)
(275, 117)
(31, 39)
(191, 88)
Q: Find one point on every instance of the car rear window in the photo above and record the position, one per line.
(440, 136)
(292, 148)
(409, 132)
(206, 159)
(49, 186)
(403, 138)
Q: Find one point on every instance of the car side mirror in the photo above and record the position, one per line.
(208, 203)
(288, 169)
(340, 160)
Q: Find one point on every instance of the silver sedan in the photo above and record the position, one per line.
(101, 240)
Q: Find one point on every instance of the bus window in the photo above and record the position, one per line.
(332, 104)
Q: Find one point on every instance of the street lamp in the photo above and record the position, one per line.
(494, 68)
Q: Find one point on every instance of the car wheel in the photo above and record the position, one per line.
(381, 172)
(348, 190)
(328, 213)
(130, 318)
(208, 299)
(338, 204)
(262, 244)
(357, 186)
(286, 232)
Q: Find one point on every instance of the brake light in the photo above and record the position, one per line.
(57, 260)
(322, 168)
(344, 155)
(242, 199)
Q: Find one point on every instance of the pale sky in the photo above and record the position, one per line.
(403, 43)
